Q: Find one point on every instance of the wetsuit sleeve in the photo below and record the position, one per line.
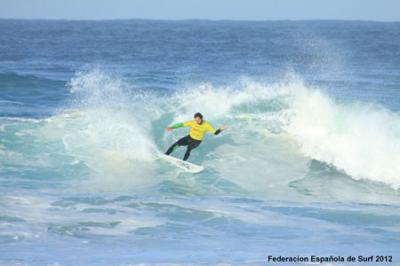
(177, 125)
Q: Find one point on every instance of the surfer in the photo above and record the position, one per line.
(198, 128)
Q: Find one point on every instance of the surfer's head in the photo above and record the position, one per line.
(198, 118)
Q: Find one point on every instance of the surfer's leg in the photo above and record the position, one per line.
(181, 142)
(192, 145)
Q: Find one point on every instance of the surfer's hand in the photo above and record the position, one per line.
(168, 129)
(223, 127)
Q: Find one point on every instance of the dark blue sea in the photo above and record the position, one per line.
(309, 164)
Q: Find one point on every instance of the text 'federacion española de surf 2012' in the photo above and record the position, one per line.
(328, 259)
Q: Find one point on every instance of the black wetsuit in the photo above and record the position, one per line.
(185, 141)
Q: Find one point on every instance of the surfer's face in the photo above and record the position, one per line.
(198, 120)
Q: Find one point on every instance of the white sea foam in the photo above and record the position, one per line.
(108, 129)
(361, 139)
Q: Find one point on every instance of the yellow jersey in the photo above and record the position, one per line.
(197, 131)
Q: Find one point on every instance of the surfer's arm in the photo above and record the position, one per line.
(216, 132)
(178, 125)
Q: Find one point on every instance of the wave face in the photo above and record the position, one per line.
(311, 151)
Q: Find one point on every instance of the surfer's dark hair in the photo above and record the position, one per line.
(198, 115)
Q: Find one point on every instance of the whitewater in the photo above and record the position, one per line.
(308, 166)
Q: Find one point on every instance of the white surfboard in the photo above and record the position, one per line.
(189, 167)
